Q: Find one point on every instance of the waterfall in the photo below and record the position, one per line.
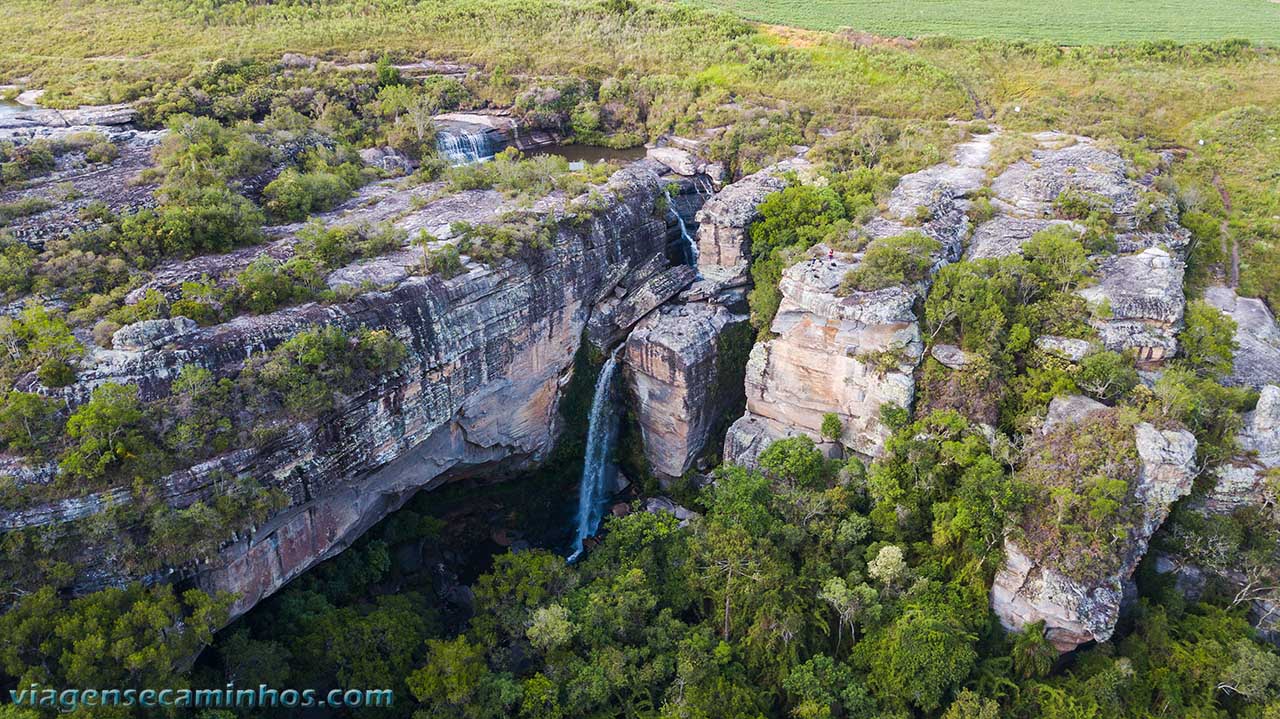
(690, 246)
(597, 470)
(463, 146)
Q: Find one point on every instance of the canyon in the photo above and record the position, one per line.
(491, 350)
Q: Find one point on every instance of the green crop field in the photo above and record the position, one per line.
(1067, 22)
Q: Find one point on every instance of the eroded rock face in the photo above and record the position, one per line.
(724, 247)
(852, 354)
(487, 354)
(675, 369)
(843, 355)
(1257, 356)
(1077, 611)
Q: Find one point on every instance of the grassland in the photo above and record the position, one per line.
(1068, 22)
(689, 64)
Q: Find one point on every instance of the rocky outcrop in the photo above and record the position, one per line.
(1004, 235)
(851, 354)
(76, 184)
(1137, 297)
(724, 245)
(488, 352)
(1257, 355)
(1241, 482)
(634, 297)
(88, 115)
(1067, 348)
(831, 354)
(1077, 610)
(1138, 303)
(677, 369)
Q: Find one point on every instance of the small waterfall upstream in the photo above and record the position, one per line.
(463, 146)
(598, 471)
(690, 245)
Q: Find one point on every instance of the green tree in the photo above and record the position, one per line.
(1033, 655)
(29, 423)
(1207, 342)
(109, 435)
(924, 654)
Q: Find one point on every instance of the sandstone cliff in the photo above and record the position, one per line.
(851, 355)
(488, 352)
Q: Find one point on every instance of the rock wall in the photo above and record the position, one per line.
(852, 354)
(488, 352)
(1074, 611)
(675, 364)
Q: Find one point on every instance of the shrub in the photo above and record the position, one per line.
(1057, 257)
(210, 220)
(10, 211)
(268, 284)
(109, 436)
(1207, 342)
(1107, 376)
(904, 259)
(309, 371)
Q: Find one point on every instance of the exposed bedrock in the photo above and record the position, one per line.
(724, 245)
(1257, 355)
(1081, 607)
(1137, 296)
(851, 353)
(683, 373)
(831, 354)
(488, 354)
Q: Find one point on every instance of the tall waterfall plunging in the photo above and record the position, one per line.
(463, 146)
(597, 470)
(690, 245)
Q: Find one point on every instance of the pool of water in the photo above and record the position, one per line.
(591, 153)
(9, 108)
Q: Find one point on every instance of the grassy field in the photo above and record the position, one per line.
(1067, 22)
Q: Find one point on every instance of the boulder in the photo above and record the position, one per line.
(681, 162)
(950, 356)
(654, 505)
(386, 158)
(1065, 347)
(1257, 355)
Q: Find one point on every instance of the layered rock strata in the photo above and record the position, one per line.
(851, 354)
(488, 353)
